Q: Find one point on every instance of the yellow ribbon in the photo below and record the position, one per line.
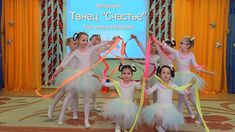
(141, 101)
(141, 105)
(198, 105)
(117, 88)
(180, 88)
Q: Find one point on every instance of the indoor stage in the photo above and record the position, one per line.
(26, 112)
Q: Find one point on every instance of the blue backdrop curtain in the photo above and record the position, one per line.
(231, 48)
(1, 70)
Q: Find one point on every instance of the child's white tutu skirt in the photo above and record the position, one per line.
(84, 84)
(162, 113)
(126, 109)
(183, 78)
(66, 73)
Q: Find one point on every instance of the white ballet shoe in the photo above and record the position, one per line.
(97, 109)
(75, 117)
(160, 129)
(198, 122)
(192, 116)
(87, 125)
(60, 122)
(117, 129)
(50, 111)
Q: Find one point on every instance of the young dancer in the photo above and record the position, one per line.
(59, 75)
(122, 110)
(184, 59)
(163, 115)
(85, 84)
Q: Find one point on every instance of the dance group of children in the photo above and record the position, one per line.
(161, 115)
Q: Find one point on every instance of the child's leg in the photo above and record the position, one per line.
(65, 105)
(188, 107)
(181, 100)
(55, 101)
(70, 106)
(75, 105)
(86, 110)
(192, 98)
(94, 103)
(181, 103)
(159, 121)
(117, 121)
(94, 100)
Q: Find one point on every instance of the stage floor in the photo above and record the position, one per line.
(25, 112)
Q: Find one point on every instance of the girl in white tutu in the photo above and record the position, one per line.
(184, 59)
(85, 84)
(122, 110)
(154, 60)
(59, 76)
(163, 115)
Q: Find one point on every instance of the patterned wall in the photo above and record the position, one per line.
(52, 41)
(160, 21)
(160, 18)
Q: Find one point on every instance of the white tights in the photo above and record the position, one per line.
(58, 97)
(183, 99)
(72, 94)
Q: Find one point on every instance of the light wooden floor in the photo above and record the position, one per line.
(218, 112)
(220, 96)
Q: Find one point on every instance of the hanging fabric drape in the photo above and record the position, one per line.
(21, 44)
(1, 33)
